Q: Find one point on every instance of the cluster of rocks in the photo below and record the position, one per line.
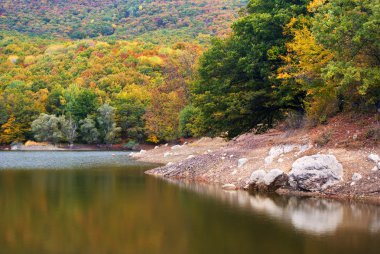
(310, 173)
(278, 151)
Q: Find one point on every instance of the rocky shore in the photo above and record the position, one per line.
(289, 164)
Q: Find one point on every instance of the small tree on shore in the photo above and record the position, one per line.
(88, 130)
(109, 132)
(47, 128)
(69, 129)
(11, 131)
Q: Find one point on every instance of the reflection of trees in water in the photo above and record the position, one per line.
(312, 215)
(112, 210)
(82, 212)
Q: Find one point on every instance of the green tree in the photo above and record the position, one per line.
(109, 132)
(3, 114)
(81, 103)
(237, 87)
(350, 29)
(47, 128)
(88, 130)
(55, 101)
(188, 126)
(130, 109)
(69, 129)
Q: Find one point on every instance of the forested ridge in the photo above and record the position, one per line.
(294, 60)
(149, 20)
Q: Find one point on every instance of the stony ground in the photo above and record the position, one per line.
(217, 161)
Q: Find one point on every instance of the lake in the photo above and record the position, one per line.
(102, 202)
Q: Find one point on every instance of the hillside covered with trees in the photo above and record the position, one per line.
(150, 20)
(296, 59)
(95, 90)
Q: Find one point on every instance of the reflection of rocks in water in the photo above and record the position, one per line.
(315, 215)
(311, 215)
(267, 205)
(375, 225)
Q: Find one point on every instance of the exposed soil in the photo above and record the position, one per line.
(208, 160)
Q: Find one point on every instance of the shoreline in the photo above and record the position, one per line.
(75, 147)
(215, 161)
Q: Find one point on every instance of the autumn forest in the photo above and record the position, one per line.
(154, 71)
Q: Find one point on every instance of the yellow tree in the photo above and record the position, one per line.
(11, 131)
(162, 116)
(305, 60)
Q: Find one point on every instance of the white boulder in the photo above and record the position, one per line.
(316, 172)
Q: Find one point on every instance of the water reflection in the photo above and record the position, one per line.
(312, 215)
(115, 208)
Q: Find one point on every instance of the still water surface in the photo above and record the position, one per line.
(93, 202)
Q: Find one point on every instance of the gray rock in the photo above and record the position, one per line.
(275, 179)
(277, 151)
(374, 158)
(257, 176)
(16, 146)
(315, 173)
(167, 154)
(356, 177)
(267, 182)
(272, 175)
(241, 162)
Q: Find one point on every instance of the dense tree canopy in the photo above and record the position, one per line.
(150, 20)
(315, 56)
(72, 82)
(309, 57)
(237, 88)
(334, 57)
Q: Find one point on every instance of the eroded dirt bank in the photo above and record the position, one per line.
(232, 163)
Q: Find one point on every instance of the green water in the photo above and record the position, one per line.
(101, 202)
